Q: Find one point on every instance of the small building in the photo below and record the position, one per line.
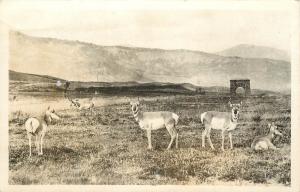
(240, 87)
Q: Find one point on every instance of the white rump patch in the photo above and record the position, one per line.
(31, 125)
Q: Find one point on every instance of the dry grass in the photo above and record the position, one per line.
(109, 148)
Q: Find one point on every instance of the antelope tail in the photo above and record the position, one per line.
(32, 128)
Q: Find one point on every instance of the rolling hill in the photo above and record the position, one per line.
(18, 76)
(78, 61)
(254, 51)
(23, 82)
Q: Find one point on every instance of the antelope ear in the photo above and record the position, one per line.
(241, 102)
(48, 108)
(269, 125)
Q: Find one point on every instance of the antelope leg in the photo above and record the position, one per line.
(209, 140)
(42, 139)
(149, 139)
(203, 138)
(172, 131)
(37, 143)
(29, 140)
(222, 133)
(230, 140)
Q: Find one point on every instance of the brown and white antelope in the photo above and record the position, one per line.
(156, 120)
(265, 142)
(74, 103)
(84, 104)
(37, 126)
(87, 105)
(224, 121)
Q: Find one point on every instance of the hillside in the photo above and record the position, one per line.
(77, 61)
(18, 76)
(253, 51)
(32, 83)
(23, 82)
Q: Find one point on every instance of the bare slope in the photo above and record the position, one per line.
(254, 51)
(18, 76)
(79, 61)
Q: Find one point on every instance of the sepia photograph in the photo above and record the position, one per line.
(149, 94)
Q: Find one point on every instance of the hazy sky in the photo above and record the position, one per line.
(205, 30)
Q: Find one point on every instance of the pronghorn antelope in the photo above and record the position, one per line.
(224, 121)
(82, 105)
(37, 126)
(156, 120)
(265, 142)
(74, 103)
(87, 105)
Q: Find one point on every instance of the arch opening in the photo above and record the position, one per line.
(240, 91)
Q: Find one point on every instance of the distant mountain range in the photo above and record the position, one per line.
(78, 61)
(253, 51)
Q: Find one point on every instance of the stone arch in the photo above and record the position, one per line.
(237, 83)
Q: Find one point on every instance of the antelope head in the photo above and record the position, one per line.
(273, 129)
(235, 110)
(50, 114)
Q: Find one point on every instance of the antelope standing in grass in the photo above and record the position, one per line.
(37, 126)
(265, 142)
(224, 121)
(156, 120)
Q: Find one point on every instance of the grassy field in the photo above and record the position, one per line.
(108, 147)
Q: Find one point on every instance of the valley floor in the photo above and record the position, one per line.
(107, 146)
